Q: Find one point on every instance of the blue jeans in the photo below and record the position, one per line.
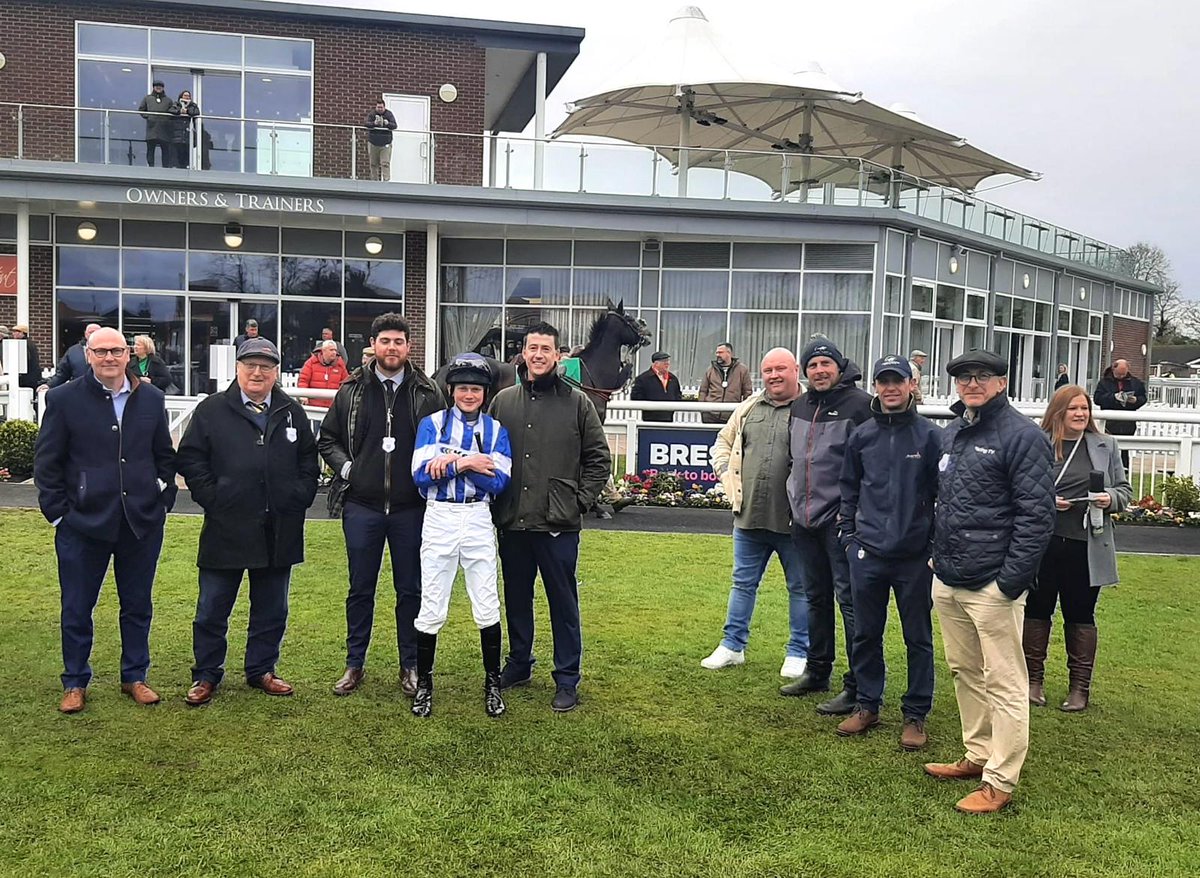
(751, 551)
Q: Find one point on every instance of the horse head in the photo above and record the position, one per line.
(632, 331)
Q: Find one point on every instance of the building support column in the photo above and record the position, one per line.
(431, 298)
(23, 262)
(539, 123)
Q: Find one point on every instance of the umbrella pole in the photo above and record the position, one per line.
(685, 133)
(805, 161)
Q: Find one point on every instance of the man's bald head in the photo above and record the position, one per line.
(781, 375)
(1120, 368)
(89, 329)
(105, 337)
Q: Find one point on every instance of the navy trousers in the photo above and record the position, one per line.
(268, 620)
(524, 554)
(82, 564)
(366, 531)
(826, 578)
(873, 579)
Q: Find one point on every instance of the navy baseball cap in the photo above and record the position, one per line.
(892, 363)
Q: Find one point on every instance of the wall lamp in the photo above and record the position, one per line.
(373, 245)
(233, 235)
(86, 231)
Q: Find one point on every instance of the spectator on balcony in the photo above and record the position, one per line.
(380, 125)
(1120, 391)
(916, 362)
(160, 127)
(327, 335)
(657, 384)
(324, 370)
(184, 113)
(74, 361)
(727, 380)
(148, 365)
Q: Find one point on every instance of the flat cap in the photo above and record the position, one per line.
(659, 356)
(977, 359)
(258, 347)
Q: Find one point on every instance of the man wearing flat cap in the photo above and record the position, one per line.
(821, 423)
(250, 461)
(657, 384)
(889, 482)
(916, 363)
(994, 521)
(160, 127)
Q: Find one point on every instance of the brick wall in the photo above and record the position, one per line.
(1127, 337)
(414, 291)
(353, 64)
(41, 299)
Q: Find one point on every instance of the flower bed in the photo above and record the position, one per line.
(1150, 512)
(666, 489)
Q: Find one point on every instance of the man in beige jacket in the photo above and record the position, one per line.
(751, 457)
(727, 380)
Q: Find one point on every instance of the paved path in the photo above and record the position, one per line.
(650, 519)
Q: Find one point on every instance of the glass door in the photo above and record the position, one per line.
(219, 129)
(947, 342)
(210, 322)
(411, 151)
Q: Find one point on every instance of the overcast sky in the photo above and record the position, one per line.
(1095, 94)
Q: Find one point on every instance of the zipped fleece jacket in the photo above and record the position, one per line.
(995, 514)
(820, 429)
(560, 458)
(889, 482)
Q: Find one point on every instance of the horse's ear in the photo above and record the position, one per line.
(621, 307)
(609, 304)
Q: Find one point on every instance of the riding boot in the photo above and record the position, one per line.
(1035, 640)
(489, 641)
(1081, 658)
(422, 705)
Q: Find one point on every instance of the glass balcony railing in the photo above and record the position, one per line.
(301, 148)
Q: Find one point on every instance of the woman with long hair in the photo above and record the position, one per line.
(1082, 556)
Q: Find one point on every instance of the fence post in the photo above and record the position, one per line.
(21, 131)
(631, 444)
(353, 154)
(1186, 465)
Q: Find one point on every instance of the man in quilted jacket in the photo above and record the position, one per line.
(994, 520)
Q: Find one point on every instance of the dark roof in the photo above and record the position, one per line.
(1180, 354)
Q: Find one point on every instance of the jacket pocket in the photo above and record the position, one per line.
(563, 509)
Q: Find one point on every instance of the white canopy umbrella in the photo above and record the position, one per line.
(720, 106)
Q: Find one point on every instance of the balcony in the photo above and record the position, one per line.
(111, 136)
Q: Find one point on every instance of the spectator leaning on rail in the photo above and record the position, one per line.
(1083, 555)
(1120, 391)
(994, 519)
(657, 384)
(889, 482)
(727, 380)
(821, 423)
(461, 462)
(751, 459)
(324, 370)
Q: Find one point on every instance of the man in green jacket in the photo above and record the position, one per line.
(560, 462)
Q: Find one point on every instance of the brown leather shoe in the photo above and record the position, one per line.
(408, 682)
(271, 684)
(985, 800)
(349, 682)
(201, 693)
(963, 769)
(73, 700)
(913, 736)
(858, 723)
(140, 692)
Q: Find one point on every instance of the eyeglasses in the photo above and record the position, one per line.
(980, 378)
(103, 353)
(257, 367)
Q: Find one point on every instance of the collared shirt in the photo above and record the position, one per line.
(397, 379)
(766, 458)
(246, 399)
(119, 398)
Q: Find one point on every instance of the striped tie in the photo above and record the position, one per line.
(257, 407)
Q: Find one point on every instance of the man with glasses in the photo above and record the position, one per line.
(994, 521)
(250, 461)
(368, 439)
(105, 472)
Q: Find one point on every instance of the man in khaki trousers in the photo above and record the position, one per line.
(994, 521)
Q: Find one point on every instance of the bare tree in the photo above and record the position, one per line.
(1147, 262)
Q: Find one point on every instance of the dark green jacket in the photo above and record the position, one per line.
(560, 458)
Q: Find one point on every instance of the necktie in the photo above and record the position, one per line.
(389, 388)
(257, 407)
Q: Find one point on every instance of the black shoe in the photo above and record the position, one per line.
(565, 699)
(602, 513)
(840, 705)
(422, 705)
(806, 684)
(492, 702)
(510, 679)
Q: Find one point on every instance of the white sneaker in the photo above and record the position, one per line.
(723, 658)
(793, 667)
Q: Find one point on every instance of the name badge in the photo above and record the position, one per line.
(862, 553)
(389, 444)
(724, 385)
(290, 432)
(944, 463)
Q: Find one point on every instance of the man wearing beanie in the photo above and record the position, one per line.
(821, 423)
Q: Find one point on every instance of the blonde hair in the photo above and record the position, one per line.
(1054, 421)
(148, 342)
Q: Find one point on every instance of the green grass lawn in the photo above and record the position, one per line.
(665, 769)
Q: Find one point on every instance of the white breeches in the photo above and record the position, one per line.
(457, 534)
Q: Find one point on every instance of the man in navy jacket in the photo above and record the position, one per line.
(889, 482)
(105, 471)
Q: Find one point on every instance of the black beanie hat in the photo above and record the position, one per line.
(821, 347)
